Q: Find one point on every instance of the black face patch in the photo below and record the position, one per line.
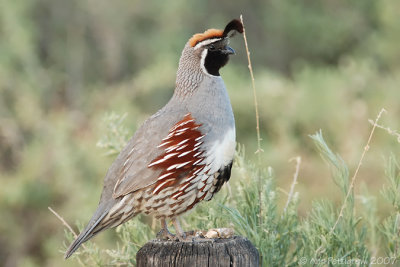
(215, 59)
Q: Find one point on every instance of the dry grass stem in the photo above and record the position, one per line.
(254, 89)
(295, 176)
(387, 129)
(63, 221)
(353, 179)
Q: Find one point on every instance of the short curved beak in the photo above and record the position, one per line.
(228, 50)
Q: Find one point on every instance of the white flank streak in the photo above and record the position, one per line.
(172, 167)
(198, 138)
(164, 175)
(198, 161)
(164, 143)
(163, 183)
(197, 144)
(157, 162)
(182, 147)
(182, 142)
(170, 155)
(184, 187)
(177, 166)
(183, 164)
(196, 172)
(190, 178)
(173, 129)
(197, 154)
(184, 154)
(182, 130)
(183, 123)
(177, 194)
(169, 149)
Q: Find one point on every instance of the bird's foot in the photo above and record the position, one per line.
(167, 235)
(164, 234)
(181, 236)
(185, 236)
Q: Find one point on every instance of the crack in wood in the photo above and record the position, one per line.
(230, 252)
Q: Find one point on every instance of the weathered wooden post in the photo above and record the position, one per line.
(235, 251)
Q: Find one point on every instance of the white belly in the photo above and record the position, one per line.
(222, 152)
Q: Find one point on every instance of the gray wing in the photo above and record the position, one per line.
(129, 172)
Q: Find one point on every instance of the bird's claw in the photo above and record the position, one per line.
(181, 237)
(166, 235)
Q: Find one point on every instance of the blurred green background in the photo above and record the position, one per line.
(64, 65)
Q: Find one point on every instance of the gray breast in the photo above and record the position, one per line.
(210, 106)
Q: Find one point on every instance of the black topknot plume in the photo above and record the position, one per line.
(234, 25)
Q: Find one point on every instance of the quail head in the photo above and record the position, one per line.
(183, 153)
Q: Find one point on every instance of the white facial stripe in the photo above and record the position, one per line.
(206, 42)
(202, 62)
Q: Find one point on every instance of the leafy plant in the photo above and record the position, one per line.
(283, 238)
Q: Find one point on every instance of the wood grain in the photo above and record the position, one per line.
(236, 251)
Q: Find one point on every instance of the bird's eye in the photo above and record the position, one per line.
(211, 47)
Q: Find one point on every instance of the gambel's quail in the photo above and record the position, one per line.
(182, 154)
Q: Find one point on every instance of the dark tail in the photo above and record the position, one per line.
(90, 231)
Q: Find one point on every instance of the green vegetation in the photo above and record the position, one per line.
(325, 236)
(70, 69)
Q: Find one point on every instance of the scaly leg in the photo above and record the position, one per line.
(165, 233)
(179, 232)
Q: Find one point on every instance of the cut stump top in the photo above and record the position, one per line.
(235, 251)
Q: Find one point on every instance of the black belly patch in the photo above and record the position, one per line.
(223, 176)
